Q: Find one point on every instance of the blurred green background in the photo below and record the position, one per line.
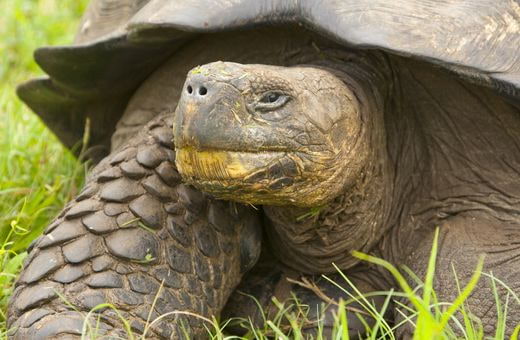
(37, 175)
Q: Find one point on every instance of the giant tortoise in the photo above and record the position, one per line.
(304, 130)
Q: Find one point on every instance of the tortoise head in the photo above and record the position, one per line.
(268, 135)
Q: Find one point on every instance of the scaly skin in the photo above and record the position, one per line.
(134, 227)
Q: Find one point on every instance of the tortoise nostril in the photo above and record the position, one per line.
(203, 90)
(189, 89)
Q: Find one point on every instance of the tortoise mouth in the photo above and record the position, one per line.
(224, 165)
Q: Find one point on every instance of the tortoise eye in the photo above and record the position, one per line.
(271, 101)
(270, 97)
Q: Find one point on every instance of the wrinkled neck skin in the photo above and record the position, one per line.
(456, 147)
(311, 240)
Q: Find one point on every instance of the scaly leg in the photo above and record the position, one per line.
(133, 228)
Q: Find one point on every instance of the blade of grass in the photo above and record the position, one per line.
(463, 295)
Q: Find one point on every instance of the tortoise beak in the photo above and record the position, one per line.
(222, 165)
(208, 128)
(207, 116)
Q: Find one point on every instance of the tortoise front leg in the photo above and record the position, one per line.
(139, 239)
(462, 239)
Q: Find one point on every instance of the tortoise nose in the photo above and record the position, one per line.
(197, 87)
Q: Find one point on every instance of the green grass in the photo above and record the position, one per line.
(38, 176)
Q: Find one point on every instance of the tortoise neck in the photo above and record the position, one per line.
(311, 240)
